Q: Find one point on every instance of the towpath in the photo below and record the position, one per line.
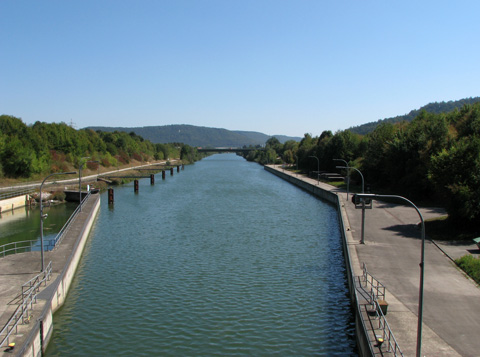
(392, 255)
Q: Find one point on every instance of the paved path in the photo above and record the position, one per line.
(18, 269)
(451, 318)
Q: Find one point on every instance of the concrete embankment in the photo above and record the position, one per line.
(352, 265)
(392, 253)
(10, 204)
(31, 339)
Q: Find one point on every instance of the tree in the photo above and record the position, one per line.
(455, 172)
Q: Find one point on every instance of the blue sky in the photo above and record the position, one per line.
(273, 66)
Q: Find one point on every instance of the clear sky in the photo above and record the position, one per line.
(274, 66)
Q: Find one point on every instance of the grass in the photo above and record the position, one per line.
(471, 266)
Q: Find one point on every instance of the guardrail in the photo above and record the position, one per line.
(15, 193)
(34, 245)
(29, 297)
(377, 288)
(377, 291)
(67, 225)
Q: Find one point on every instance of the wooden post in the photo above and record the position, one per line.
(163, 174)
(171, 171)
(178, 168)
(135, 186)
(152, 179)
(110, 195)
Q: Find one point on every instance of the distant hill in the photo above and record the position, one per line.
(197, 135)
(436, 108)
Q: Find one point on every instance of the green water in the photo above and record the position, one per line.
(23, 224)
(221, 259)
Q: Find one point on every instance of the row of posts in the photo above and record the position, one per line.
(135, 183)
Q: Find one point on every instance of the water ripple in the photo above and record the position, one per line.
(210, 263)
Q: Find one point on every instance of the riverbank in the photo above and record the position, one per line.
(392, 254)
(31, 338)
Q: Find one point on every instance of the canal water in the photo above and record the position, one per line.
(23, 224)
(223, 258)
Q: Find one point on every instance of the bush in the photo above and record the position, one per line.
(471, 266)
(58, 196)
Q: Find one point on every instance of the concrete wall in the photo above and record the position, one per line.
(363, 344)
(12, 203)
(41, 334)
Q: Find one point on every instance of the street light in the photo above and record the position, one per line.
(348, 173)
(422, 263)
(42, 216)
(318, 168)
(80, 178)
(362, 240)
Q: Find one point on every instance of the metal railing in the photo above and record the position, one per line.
(34, 245)
(377, 292)
(68, 224)
(377, 288)
(29, 297)
(17, 192)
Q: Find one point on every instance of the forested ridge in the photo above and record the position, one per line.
(197, 135)
(434, 158)
(27, 151)
(435, 108)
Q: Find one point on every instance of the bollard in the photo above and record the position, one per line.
(135, 186)
(163, 174)
(152, 179)
(171, 171)
(178, 168)
(110, 195)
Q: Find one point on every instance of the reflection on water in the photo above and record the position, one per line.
(220, 259)
(24, 223)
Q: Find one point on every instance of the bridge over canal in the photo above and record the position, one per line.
(230, 149)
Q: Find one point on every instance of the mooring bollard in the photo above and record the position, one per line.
(152, 179)
(135, 186)
(110, 195)
(171, 171)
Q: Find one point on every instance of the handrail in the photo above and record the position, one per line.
(377, 290)
(29, 297)
(67, 225)
(374, 283)
(15, 193)
(27, 245)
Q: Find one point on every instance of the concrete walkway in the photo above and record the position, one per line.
(392, 255)
(18, 269)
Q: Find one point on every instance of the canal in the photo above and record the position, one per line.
(23, 224)
(223, 258)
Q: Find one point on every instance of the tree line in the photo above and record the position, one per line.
(27, 151)
(434, 158)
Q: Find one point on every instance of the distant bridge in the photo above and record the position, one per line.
(200, 149)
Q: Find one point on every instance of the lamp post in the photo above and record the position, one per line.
(362, 240)
(80, 166)
(318, 168)
(348, 173)
(422, 264)
(43, 216)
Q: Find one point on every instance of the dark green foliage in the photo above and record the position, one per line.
(435, 158)
(26, 151)
(434, 108)
(471, 266)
